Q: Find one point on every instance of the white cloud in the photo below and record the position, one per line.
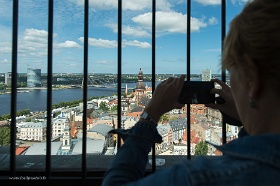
(99, 4)
(68, 44)
(218, 2)
(105, 62)
(135, 31)
(113, 26)
(239, 2)
(131, 31)
(4, 61)
(36, 33)
(33, 42)
(5, 48)
(5, 33)
(209, 2)
(134, 5)
(172, 22)
(103, 43)
(136, 44)
(212, 21)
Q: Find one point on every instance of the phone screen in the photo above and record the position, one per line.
(196, 92)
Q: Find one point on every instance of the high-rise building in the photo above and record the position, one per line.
(34, 77)
(206, 75)
(8, 78)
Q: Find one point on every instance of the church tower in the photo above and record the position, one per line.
(140, 87)
(66, 140)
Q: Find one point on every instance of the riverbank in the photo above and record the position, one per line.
(29, 89)
(36, 100)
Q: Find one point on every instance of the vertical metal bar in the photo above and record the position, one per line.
(49, 93)
(153, 70)
(84, 146)
(14, 90)
(189, 74)
(119, 66)
(223, 34)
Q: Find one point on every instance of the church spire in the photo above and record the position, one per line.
(140, 87)
(140, 75)
(140, 83)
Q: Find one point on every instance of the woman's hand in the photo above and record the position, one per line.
(165, 97)
(228, 107)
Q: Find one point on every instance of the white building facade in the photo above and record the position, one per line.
(58, 126)
(33, 131)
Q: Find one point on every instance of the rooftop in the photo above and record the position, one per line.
(34, 125)
(101, 129)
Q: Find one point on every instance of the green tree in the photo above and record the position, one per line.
(163, 118)
(201, 148)
(28, 120)
(91, 98)
(21, 84)
(5, 117)
(3, 86)
(103, 106)
(124, 95)
(19, 113)
(114, 108)
(5, 136)
(173, 119)
(23, 112)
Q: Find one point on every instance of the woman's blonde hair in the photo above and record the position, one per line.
(255, 33)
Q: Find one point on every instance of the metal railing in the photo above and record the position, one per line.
(48, 168)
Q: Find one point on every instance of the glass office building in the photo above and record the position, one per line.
(8, 78)
(34, 77)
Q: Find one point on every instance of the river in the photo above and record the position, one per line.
(36, 100)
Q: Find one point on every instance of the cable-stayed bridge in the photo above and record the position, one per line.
(102, 83)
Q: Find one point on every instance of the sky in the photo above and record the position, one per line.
(68, 37)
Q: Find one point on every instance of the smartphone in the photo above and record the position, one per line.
(197, 92)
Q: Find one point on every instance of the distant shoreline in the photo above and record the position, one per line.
(29, 89)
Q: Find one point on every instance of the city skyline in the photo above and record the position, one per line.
(136, 36)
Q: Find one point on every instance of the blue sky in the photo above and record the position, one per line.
(136, 29)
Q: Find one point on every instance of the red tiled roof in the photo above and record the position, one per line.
(196, 140)
(134, 114)
(185, 136)
(89, 120)
(149, 89)
(193, 133)
(20, 150)
(218, 153)
(73, 131)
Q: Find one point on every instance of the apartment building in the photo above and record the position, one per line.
(58, 126)
(33, 131)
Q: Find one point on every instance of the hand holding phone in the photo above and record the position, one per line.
(197, 92)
